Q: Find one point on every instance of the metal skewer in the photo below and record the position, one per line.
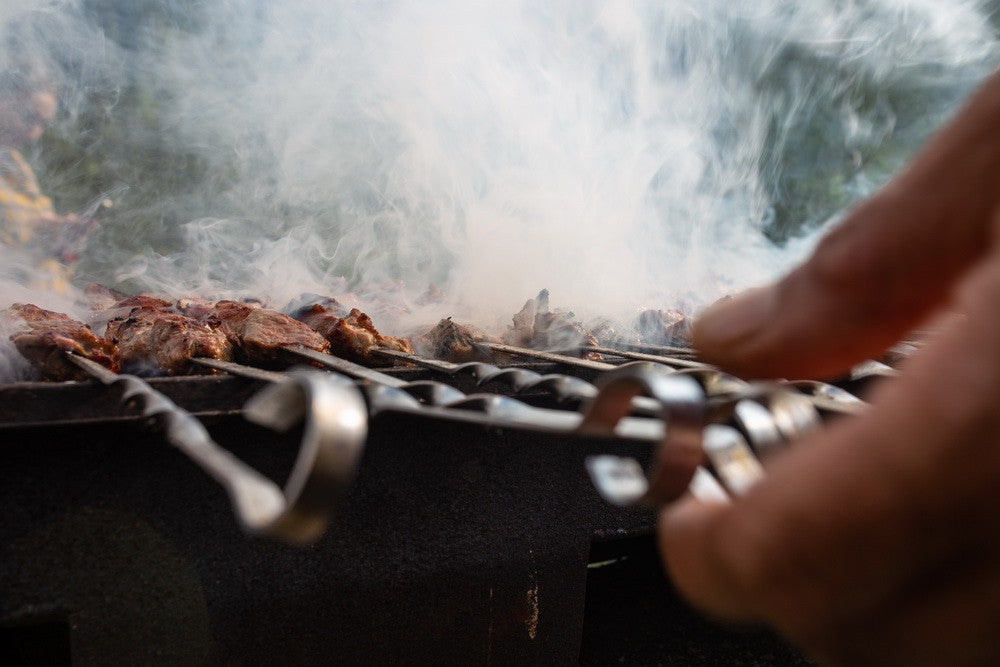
(344, 366)
(668, 350)
(564, 387)
(250, 372)
(388, 392)
(768, 416)
(335, 434)
(642, 356)
(426, 362)
(548, 356)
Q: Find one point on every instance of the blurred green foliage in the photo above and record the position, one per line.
(834, 144)
(112, 141)
(822, 150)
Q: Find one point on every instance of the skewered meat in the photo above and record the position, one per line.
(101, 297)
(611, 333)
(258, 334)
(194, 307)
(46, 336)
(104, 298)
(352, 336)
(306, 302)
(165, 340)
(537, 327)
(453, 342)
(555, 331)
(524, 322)
(664, 327)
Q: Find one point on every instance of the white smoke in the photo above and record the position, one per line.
(622, 155)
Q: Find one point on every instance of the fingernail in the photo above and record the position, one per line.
(735, 320)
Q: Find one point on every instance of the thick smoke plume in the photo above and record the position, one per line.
(622, 155)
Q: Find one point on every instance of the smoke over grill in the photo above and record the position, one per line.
(622, 157)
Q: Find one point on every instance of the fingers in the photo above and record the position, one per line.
(881, 521)
(946, 613)
(892, 262)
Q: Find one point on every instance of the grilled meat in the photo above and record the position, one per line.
(160, 338)
(611, 333)
(104, 298)
(194, 307)
(523, 330)
(664, 327)
(306, 302)
(45, 336)
(258, 334)
(453, 342)
(539, 328)
(555, 331)
(101, 297)
(352, 336)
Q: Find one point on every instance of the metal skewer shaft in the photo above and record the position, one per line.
(250, 372)
(563, 387)
(668, 350)
(549, 356)
(333, 440)
(432, 364)
(344, 366)
(447, 401)
(642, 356)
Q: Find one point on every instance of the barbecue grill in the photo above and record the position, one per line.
(475, 512)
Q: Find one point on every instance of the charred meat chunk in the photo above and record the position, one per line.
(161, 339)
(554, 331)
(101, 297)
(664, 327)
(43, 337)
(352, 336)
(611, 333)
(523, 329)
(194, 307)
(453, 342)
(105, 298)
(539, 328)
(257, 334)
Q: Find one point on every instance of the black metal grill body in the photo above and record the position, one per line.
(460, 544)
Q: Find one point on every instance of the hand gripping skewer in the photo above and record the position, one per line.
(335, 433)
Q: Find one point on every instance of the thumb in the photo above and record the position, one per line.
(891, 262)
(687, 548)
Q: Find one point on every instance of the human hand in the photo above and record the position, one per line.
(876, 540)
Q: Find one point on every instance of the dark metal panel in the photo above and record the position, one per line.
(459, 543)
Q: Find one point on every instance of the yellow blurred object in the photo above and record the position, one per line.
(22, 204)
(22, 210)
(53, 276)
